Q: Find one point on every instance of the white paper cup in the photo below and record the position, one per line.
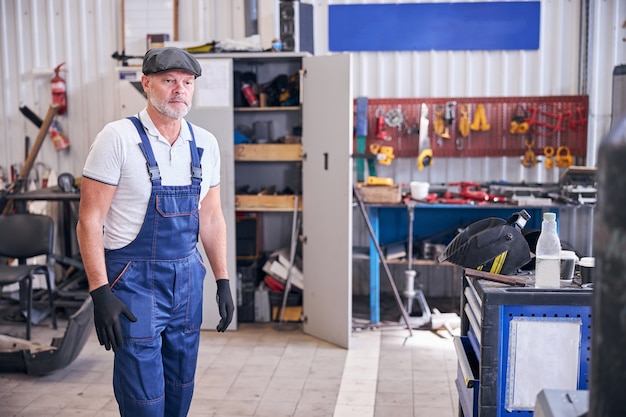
(568, 263)
(419, 190)
(587, 264)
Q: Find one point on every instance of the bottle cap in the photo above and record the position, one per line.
(549, 216)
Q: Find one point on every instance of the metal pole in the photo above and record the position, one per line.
(405, 316)
(295, 226)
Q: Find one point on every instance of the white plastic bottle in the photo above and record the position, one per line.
(548, 254)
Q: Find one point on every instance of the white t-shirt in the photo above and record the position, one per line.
(115, 158)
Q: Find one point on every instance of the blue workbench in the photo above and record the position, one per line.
(439, 223)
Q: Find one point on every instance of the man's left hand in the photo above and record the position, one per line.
(224, 303)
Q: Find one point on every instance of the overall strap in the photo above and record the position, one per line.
(153, 168)
(196, 155)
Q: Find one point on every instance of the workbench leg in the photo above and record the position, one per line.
(374, 269)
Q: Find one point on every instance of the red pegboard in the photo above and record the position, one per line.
(553, 120)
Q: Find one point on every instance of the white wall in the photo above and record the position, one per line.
(37, 35)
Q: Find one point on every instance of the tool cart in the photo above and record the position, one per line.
(518, 340)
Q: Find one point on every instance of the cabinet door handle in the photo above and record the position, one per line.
(302, 72)
(325, 161)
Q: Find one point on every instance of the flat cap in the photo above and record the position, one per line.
(170, 58)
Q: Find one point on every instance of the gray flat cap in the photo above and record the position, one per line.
(170, 58)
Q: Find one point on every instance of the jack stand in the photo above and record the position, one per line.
(409, 288)
(411, 295)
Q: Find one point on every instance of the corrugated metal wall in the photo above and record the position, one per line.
(40, 34)
(37, 35)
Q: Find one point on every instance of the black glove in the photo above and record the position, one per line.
(224, 304)
(106, 313)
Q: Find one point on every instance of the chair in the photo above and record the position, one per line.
(24, 236)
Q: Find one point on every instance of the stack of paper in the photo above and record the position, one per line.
(277, 265)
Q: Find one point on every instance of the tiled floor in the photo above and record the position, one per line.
(260, 370)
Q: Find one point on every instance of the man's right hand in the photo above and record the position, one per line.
(106, 313)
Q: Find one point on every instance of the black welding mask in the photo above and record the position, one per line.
(492, 244)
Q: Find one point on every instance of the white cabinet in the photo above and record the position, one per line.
(322, 174)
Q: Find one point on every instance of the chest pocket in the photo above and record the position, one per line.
(177, 205)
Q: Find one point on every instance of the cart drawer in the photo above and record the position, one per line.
(467, 381)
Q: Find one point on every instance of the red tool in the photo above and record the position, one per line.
(381, 131)
(541, 128)
(579, 121)
(450, 198)
(473, 191)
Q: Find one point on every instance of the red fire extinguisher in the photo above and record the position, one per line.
(59, 95)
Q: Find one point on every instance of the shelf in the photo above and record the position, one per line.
(404, 261)
(266, 202)
(269, 152)
(267, 109)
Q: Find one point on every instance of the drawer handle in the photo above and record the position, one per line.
(466, 369)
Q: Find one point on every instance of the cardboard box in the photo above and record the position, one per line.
(293, 313)
(380, 194)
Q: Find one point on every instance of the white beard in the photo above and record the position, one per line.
(163, 108)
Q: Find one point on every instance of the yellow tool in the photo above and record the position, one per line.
(548, 151)
(519, 128)
(480, 119)
(425, 158)
(207, 47)
(439, 126)
(530, 159)
(464, 126)
(384, 154)
(564, 157)
(519, 125)
(379, 181)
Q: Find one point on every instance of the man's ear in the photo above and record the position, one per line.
(145, 81)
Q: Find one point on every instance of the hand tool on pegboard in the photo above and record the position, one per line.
(464, 125)
(479, 122)
(548, 152)
(395, 118)
(518, 124)
(563, 157)
(361, 139)
(448, 118)
(439, 125)
(384, 154)
(381, 130)
(578, 121)
(425, 157)
(530, 159)
(449, 115)
(6, 203)
(541, 128)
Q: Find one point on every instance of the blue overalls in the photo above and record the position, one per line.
(159, 276)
